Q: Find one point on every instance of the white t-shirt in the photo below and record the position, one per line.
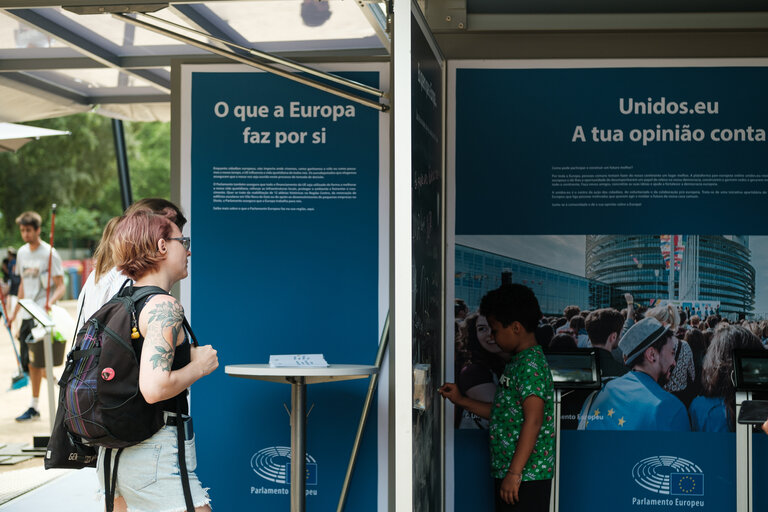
(32, 266)
(96, 294)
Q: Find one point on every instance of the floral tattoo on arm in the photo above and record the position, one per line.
(164, 315)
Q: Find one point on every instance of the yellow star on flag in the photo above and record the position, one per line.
(622, 421)
(597, 412)
(610, 412)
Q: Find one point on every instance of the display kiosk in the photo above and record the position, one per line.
(750, 374)
(571, 370)
(42, 318)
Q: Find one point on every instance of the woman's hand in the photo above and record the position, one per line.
(205, 358)
(510, 488)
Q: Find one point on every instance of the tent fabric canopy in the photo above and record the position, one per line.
(14, 136)
(57, 59)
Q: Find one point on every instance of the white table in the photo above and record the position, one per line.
(298, 377)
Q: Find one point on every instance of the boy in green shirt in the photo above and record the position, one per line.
(522, 428)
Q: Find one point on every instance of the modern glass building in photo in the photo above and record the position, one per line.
(711, 268)
(478, 272)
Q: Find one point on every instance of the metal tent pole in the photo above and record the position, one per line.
(122, 163)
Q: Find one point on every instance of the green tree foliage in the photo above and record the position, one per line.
(78, 172)
(77, 227)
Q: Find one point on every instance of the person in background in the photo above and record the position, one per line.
(480, 374)
(681, 381)
(522, 429)
(105, 281)
(636, 400)
(569, 312)
(697, 340)
(715, 409)
(544, 334)
(7, 269)
(562, 342)
(579, 330)
(32, 267)
(460, 310)
(695, 321)
(603, 327)
(11, 280)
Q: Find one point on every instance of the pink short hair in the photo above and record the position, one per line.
(134, 242)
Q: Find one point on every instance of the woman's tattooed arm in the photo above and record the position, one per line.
(164, 315)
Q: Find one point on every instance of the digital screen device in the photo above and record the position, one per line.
(39, 314)
(753, 412)
(576, 369)
(750, 370)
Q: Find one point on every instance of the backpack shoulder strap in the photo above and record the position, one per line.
(188, 328)
(145, 292)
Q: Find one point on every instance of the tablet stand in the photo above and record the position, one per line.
(41, 317)
(743, 447)
(579, 369)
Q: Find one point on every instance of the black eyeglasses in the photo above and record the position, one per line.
(185, 241)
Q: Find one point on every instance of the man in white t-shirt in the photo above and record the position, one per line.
(32, 266)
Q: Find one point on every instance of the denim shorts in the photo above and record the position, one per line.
(148, 474)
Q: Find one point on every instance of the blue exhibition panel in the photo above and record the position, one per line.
(605, 151)
(473, 486)
(759, 471)
(284, 217)
(662, 471)
(581, 150)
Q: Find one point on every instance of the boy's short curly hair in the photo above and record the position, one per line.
(134, 242)
(512, 303)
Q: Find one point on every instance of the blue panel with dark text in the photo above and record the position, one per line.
(284, 216)
(565, 151)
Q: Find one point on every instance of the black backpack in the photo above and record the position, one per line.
(103, 405)
(99, 401)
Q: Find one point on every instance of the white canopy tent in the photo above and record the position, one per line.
(14, 136)
(60, 58)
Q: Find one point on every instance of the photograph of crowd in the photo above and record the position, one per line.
(664, 318)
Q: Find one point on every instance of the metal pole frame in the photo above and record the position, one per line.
(254, 63)
(126, 195)
(374, 380)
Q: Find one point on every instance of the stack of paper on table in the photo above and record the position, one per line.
(292, 360)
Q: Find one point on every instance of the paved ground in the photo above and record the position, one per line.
(26, 486)
(14, 402)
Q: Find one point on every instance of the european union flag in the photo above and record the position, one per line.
(686, 484)
(311, 468)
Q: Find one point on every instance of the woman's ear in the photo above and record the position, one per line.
(161, 246)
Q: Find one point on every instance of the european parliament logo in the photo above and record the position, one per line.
(670, 475)
(274, 465)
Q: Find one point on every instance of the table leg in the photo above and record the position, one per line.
(298, 443)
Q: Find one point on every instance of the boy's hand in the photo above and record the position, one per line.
(450, 391)
(510, 488)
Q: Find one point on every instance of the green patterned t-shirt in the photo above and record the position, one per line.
(527, 374)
